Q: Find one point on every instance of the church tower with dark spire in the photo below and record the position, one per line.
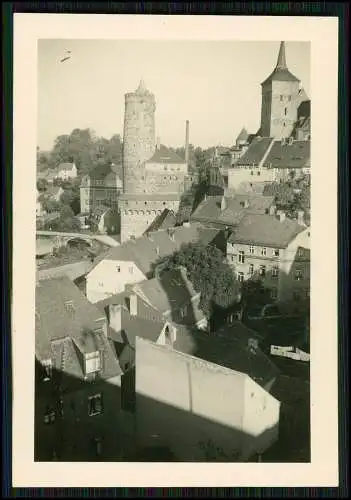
(280, 100)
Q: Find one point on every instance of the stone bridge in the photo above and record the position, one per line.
(62, 239)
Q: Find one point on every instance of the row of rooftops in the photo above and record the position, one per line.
(66, 330)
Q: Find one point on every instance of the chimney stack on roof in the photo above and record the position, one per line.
(187, 142)
(281, 215)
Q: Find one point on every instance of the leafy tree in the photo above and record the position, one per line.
(42, 184)
(209, 273)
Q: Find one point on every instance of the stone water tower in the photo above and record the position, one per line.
(139, 137)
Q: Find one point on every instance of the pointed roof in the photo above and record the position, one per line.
(243, 136)
(281, 62)
(281, 72)
(142, 87)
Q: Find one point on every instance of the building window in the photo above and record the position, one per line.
(241, 257)
(251, 269)
(274, 293)
(118, 268)
(232, 258)
(95, 406)
(285, 111)
(92, 362)
(131, 270)
(284, 124)
(165, 167)
(263, 251)
(47, 365)
(252, 249)
(276, 252)
(240, 277)
(281, 98)
(289, 97)
(252, 172)
(258, 173)
(275, 272)
(49, 416)
(262, 271)
(299, 274)
(300, 252)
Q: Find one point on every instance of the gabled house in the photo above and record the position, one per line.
(78, 378)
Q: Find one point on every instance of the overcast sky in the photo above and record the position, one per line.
(214, 85)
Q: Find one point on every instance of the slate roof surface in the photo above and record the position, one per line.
(65, 166)
(265, 230)
(135, 326)
(168, 292)
(165, 220)
(255, 152)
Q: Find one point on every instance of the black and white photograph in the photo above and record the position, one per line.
(173, 229)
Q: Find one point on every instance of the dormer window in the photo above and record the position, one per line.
(92, 362)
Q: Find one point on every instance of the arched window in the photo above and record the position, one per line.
(141, 212)
(147, 212)
(136, 212)
(130, 212)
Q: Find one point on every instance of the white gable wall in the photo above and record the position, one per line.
(110, 277)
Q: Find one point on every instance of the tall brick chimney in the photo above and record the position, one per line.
(187, 142)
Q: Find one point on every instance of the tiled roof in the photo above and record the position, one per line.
(165, 155)
(100, 171)
(150, 197)
(72, 271)
(64, 317)
(255, 152)
(210, 209)
(56, 320)
(65, 166)
(265, 230)
(43, 246)
(146, 250)
(295, 155)
(165, 220)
